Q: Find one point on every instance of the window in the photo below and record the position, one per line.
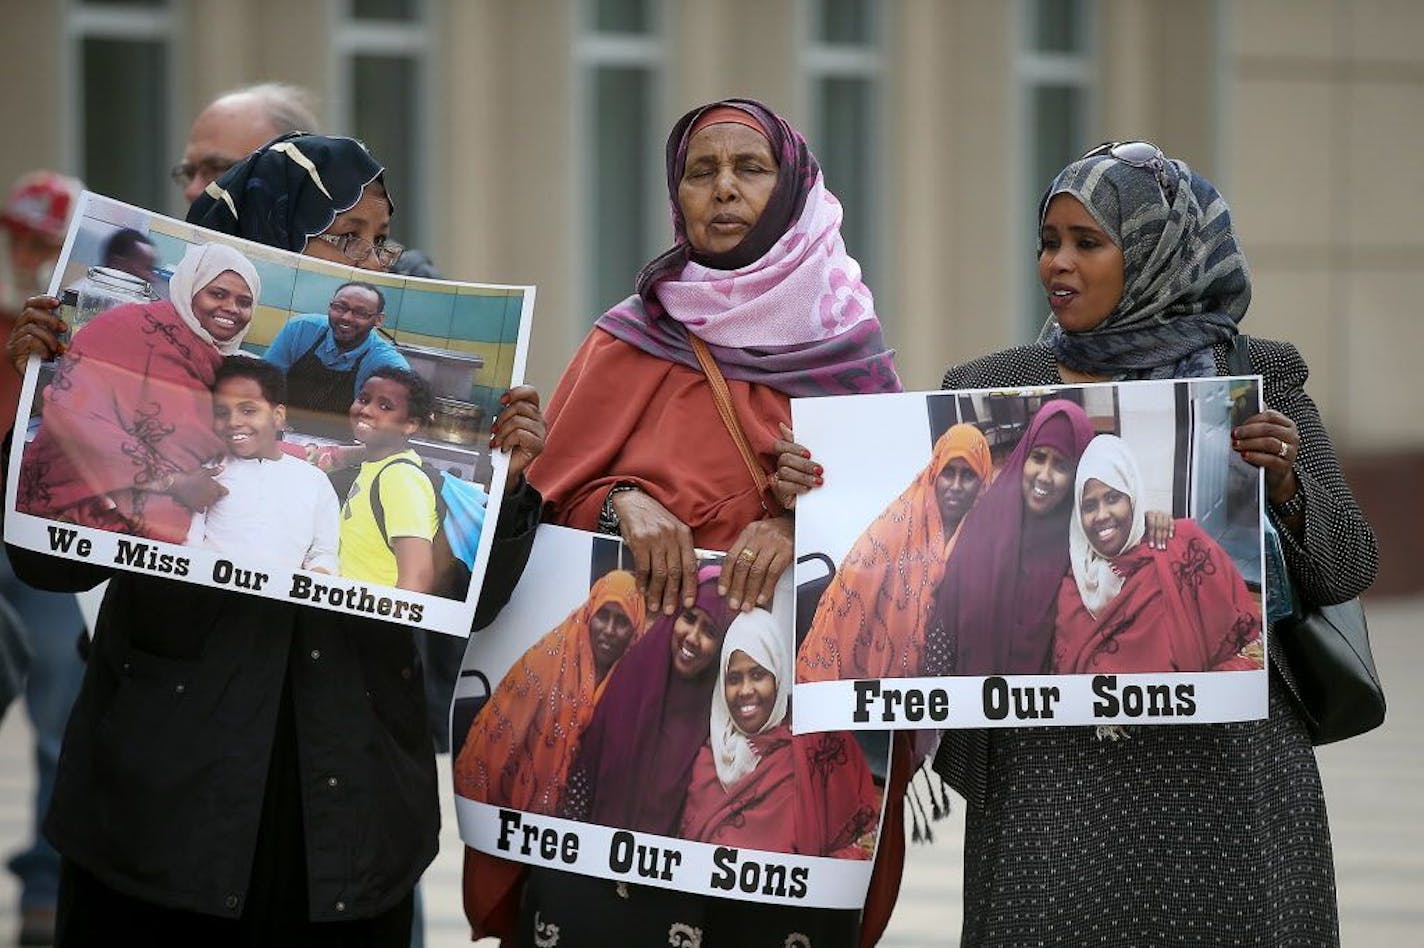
(619, 69)
(383, 53)
(1056, 69)
(119, 134)
(841, 59)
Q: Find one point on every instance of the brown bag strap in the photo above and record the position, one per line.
(723, 398)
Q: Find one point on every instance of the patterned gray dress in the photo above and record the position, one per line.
(1208, 835)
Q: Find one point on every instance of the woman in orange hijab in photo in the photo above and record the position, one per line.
(872, 617)
(522, 742)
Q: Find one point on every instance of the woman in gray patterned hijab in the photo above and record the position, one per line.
(1073, 839)
(1185, 285)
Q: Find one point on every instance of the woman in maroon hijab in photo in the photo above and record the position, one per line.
(635, 758)
(995, 609)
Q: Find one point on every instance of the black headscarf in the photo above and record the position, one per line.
(289, 190)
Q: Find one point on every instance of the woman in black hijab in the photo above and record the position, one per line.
(239, 770)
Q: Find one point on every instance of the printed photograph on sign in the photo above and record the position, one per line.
(1090, 554)
(592, 736)
(234, 415)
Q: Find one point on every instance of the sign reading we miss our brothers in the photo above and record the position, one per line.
(592, 737)
(1086, 554)
(132, 451)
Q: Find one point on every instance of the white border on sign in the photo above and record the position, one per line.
(204, 567)
(605, 852)
(878, 704)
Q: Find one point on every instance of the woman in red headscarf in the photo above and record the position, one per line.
(635, 759)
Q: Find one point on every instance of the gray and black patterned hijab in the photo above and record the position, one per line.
(1185, 285)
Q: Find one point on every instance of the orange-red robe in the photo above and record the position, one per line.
(620, 414)
(522, 742)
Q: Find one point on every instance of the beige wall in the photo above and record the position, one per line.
(504, 181)
(950, 181)
(31, 47)
(1326, 135)
(1156, 76)
(1324, 165)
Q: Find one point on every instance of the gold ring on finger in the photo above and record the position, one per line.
(1285, 448)
(747, 556)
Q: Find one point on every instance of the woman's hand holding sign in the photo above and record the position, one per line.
(36, 332)
(756, 561)
(519, 431)
(1270, 441)
(795, 472)
(661, 544)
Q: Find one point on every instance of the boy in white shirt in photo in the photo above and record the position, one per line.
(278, 508)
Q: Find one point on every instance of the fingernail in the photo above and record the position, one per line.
(721, 590)
(820, 470)
(734, 604)
(820, 481)
(504, 399)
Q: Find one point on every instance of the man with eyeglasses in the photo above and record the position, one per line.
(328, 357)
(239, 122)
(234, 125)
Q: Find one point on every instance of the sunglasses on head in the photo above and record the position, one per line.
(1138, 155)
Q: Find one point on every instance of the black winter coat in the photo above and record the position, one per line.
(160, 787)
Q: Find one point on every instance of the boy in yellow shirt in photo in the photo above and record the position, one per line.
(392, 405)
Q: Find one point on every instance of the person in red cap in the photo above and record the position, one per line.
(35, 218)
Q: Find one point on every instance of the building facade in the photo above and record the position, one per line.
(525, 141)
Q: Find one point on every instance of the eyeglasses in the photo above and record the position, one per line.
(210, 169)
(357, 249)
(1139, 155)
(341, 308)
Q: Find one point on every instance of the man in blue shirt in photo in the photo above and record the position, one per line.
(328, 358)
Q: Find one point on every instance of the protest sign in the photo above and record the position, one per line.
(593, 737)
(246, 418)
(1089, 554)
